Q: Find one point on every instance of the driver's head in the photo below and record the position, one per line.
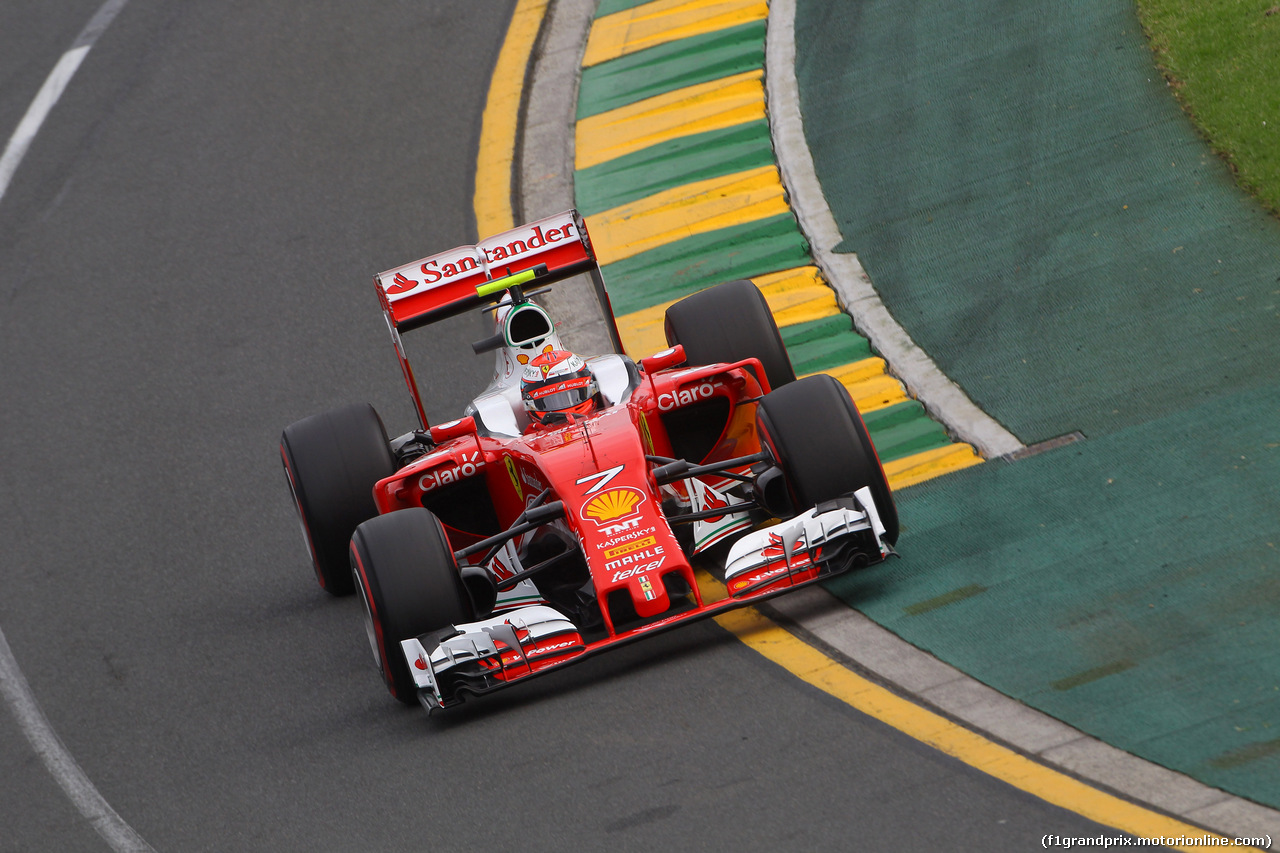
(556, 384)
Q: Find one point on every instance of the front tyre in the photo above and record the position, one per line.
(814, 432)
(409, 584)
(727, 323)
(332, 461)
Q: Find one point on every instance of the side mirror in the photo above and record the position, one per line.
(661, 361)
(442, 433)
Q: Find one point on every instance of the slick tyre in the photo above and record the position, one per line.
(332, 461)
(727, 323)
(408, 581)
(814, 432)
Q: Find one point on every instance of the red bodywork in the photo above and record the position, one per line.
(479, 483)
(596, 466)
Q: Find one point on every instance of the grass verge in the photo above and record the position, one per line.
(1222, 57)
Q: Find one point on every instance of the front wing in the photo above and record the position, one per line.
(482, 656)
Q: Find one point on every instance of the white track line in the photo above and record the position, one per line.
(943, 398)
(52, 90)
(13, 684)
(45, 741)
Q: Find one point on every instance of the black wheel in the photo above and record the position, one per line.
(730, 322)
(815, 433)
(332, 461)
(409, 584)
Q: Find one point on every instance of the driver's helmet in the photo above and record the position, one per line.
(556, 384)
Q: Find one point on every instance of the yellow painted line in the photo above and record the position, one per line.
(856, 372)
(1026, 774)
(662, 21)
(684, 211)
(795, 296)
(919, 467)
(495, 164)
(642, 332)
(694, 109)
(872, 392)
(869, 384)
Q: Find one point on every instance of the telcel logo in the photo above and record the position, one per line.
(685, 396)
(637, 570)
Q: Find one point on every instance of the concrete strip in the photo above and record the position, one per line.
(940, 396)
(546, 161)
(1250, 820)
(547, 186)
(990, 711)
(1163, 788)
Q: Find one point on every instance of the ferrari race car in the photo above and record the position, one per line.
(564, 513)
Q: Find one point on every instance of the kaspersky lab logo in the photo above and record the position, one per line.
(613, 505)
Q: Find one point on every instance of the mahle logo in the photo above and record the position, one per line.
(608, 507)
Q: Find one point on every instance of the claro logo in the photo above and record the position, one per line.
(685, 396)
(465, 466)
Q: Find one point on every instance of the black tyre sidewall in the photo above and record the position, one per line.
(409, 584)
(727, 323)
(816, 434)
(332, 461)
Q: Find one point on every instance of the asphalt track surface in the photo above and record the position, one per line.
(185, 264)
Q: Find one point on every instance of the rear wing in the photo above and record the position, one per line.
(450, 283)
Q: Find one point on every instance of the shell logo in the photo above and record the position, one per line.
(608, 507)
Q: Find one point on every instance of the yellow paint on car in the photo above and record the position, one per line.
(685, 211)
(662, 21)
(694, 109)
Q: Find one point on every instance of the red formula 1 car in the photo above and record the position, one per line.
(562, 514)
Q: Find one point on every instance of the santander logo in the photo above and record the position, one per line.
(529, 240)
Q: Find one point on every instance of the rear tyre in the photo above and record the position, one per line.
(814, 432)
(332, 461)
(409, 584)
(727, 323)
